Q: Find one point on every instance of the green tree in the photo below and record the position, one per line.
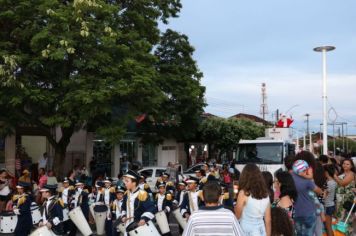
(223, 135)
(88, 64)
(183, 101)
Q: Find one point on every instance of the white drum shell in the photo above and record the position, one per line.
(91, 209)
(121, 228)
(36, 213)
(100, 218)
(162, 221)
(42, 231)
(8, 223)
(77, 216)
(148, 229)
(181, 221)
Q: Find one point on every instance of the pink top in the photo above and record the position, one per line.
(42, 181)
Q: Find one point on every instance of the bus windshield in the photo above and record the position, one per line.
(261, 153)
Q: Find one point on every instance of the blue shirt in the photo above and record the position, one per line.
(304, 206)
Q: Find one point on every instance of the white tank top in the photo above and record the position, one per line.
(254, 210)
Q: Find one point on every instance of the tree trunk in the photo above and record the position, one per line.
(59, 161)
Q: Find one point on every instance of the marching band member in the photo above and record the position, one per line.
(117, 208)
(106, 197)
(80, 199)
(163, 178)
(22, 208)
(117, 204)
(65, 194)
(52, 212)
(178, 198)
(136, 206)
(163, 199)
(144, 186)
(192, 198)
(169, 184)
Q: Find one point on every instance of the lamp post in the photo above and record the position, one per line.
(323, 50)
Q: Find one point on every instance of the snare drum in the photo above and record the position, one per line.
(8, 221)
(144, 230)
(42, 231)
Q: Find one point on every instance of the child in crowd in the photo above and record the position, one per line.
(305, 209)
(329, 197)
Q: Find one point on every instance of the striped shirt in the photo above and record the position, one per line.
(213, 221)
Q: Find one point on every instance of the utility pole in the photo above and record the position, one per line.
(307, 115)
(310, 142)
(264, 107)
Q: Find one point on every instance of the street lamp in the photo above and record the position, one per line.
(323, 50)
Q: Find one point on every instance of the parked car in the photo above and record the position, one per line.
(191, 170)
(152, 173)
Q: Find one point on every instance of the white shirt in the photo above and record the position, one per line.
(107, 196)
(98, 196)
(181, 197)
(42, 163)
(65, 195)
(195, 196)
(160, 201)
(130, 206)
(44, 218)
(118, 204)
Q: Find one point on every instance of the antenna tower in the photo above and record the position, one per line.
(264, 106)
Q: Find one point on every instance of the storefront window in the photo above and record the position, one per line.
(149, 155)
(128, 149)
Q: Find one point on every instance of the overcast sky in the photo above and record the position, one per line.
(240, 44)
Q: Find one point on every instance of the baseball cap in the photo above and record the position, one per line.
(300, 166)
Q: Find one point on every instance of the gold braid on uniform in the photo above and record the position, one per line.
(15, 197)
(142, 196)
(112, 190)
(200, 195)
(60, 201)
(21, 200)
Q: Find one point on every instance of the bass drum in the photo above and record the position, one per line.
(8, 221)
(100, 213)
(36, 213)
(181, 221)
(42, 231)
(77, 217)
(147, 229)
(162, 221)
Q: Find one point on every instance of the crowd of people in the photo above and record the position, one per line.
(304, 198)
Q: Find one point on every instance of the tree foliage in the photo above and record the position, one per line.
(94, 63)
(182, 105)
(225, 134)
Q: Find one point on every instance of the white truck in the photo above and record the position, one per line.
(267, 152)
